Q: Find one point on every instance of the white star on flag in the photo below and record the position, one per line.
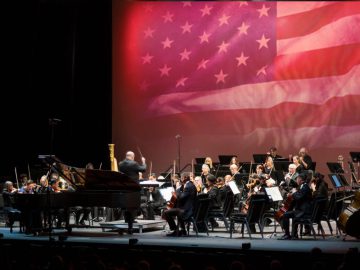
(204, 37)
(263, 42)
(220, 77)
(185, 54)
(167, 43)
(147, 58)
(224, 20)
(243, 28)
(181, 82)
(168, 17)
(261, 71)
(263, 11)
(206, 10)
(202, 64)
(242, 59)
(149, 32)
(186, 27)
(223, 47)
(164, 70)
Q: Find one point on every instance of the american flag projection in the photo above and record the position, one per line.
(236, 78)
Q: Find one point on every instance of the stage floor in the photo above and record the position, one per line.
(155, 237)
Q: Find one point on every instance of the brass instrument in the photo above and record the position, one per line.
(113, 161)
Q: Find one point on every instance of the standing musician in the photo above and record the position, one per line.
(185, 196)
(301, 205)
(132, 169)
(209, 162)
(305, 159)
(273, 153)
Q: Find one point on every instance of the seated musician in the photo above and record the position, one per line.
(8, 196)
(301, 205)
(290, 180)
(205, 171)
(199, 184)
(183, 209)
(214, 196)
(153, 203)
(28, 188)
(305, 159)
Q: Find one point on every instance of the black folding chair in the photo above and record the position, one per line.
(312, 219)
(200, 216)
(253, 216)
(225, 211)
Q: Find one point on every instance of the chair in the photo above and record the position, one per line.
(270, 213)
(333, 211)
(313, 218)
(225, 211)
(253, 216)
(200, 216)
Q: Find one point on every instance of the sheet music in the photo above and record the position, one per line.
(234, 187)
(274, 193)
(151, 182)
(166, 193)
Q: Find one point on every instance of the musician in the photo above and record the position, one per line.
(234, 160)
(185, 195)
(290, 179)
(132, 169)
(28, 188)
(153, 203)
(8, 195)
(200, 187)
(269, 170)
(299, 167)
(214, 196)
(319, 187)
(301, 206)
(305, 159)
(209, 162)
(205, 171)
(273, 153)
(260, 171)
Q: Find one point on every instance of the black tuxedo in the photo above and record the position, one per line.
(153, 202)
(131, 168)
(185, 195)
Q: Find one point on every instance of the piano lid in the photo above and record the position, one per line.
(109, 180)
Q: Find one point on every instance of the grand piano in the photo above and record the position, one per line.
(89, 188)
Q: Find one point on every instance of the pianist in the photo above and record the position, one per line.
(132, 169)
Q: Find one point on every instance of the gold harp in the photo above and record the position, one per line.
(113, 161)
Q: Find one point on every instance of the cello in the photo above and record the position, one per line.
(172, 202)
(286, 207)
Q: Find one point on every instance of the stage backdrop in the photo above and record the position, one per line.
(210, 78)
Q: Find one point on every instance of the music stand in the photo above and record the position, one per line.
(226, 159)
(335, 167)
(260, 158)
(355, 157)
(247, 167)
(282, 165)
(200, 160)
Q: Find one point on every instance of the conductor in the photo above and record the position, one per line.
(132, 169)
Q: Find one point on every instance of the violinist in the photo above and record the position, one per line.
(269, 170)
(183, 209)
(199, 185)
(234, 160)
(301, 205)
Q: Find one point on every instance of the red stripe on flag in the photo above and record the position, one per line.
(317, 63)
(310, 21)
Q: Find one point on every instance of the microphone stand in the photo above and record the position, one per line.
(178, 138)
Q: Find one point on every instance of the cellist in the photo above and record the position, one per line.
(185, 196)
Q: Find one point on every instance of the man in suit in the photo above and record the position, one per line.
(302, 205)
(185, 196)
(132, 169)
(152, 204)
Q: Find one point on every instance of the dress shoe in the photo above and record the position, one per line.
(306, 233)
(285, 237)
(182, 233)
(173, 234)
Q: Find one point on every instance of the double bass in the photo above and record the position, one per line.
(349, 219)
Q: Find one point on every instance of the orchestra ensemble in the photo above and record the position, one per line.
(300, 186)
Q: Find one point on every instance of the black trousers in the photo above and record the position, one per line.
(169, 216)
